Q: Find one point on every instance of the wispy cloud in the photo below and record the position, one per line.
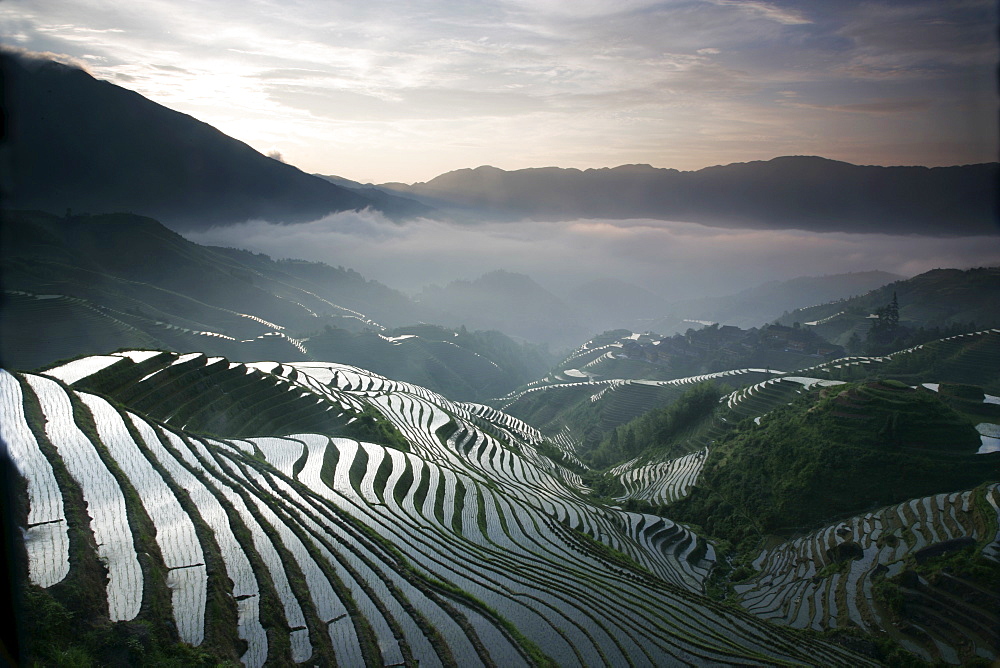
(38, 57)
(765, 10)
(405, 91)
(876, 107)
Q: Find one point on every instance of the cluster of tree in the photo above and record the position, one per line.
(885, 331)
(832, 454)
(719, 347)
(660, 431)
(887, 334)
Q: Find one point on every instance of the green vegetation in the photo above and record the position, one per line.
(462, 365)
(370, 426)
(936, 304)
(831, 454)
(58, 635)
(660, 432)
(555, 454)
(937, 578)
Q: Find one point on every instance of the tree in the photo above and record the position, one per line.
(854, 344)
(885, 327)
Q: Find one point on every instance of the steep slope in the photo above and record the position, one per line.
(921, 571)
(471, 366)
(76, 142)
(833, 452)
(800, 192)
(913, 571)
(464, 549)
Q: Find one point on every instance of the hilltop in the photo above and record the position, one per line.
(79, 143)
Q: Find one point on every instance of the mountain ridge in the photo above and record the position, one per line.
(787, 192)
(76, 142)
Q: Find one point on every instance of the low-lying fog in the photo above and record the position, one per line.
(674, 260)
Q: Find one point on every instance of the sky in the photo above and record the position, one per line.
(381, 90)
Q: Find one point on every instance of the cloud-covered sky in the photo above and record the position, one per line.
(378, 90)
(674, 260)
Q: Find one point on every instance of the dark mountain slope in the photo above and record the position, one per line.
(89, 284)
(800, 192)
(77, 142)
(83, 256)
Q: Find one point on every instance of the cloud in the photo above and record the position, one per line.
(405, 91)
(765, 10)
(876, 107)
(676, 260)
(36, 58)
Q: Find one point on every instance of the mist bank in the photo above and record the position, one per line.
(673, 260)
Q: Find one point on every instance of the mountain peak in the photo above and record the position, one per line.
(186, 173)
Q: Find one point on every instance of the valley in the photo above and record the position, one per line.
(279, 512)
(732, 414)
(391, 493)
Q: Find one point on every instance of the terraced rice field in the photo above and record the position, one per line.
(756, 400)
(549, 405)
(958, 621)
(963, 356)
(663, 482)
(470, 548)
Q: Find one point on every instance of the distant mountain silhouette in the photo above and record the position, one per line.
(797, 192)
(77, 142)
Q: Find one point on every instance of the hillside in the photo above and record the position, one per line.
(79, 143)
(453, 547)
(792, 192)
(471, 366)
(770, 301)
(355, 516)
(833, 453)
(87, 284)
(936, 301)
